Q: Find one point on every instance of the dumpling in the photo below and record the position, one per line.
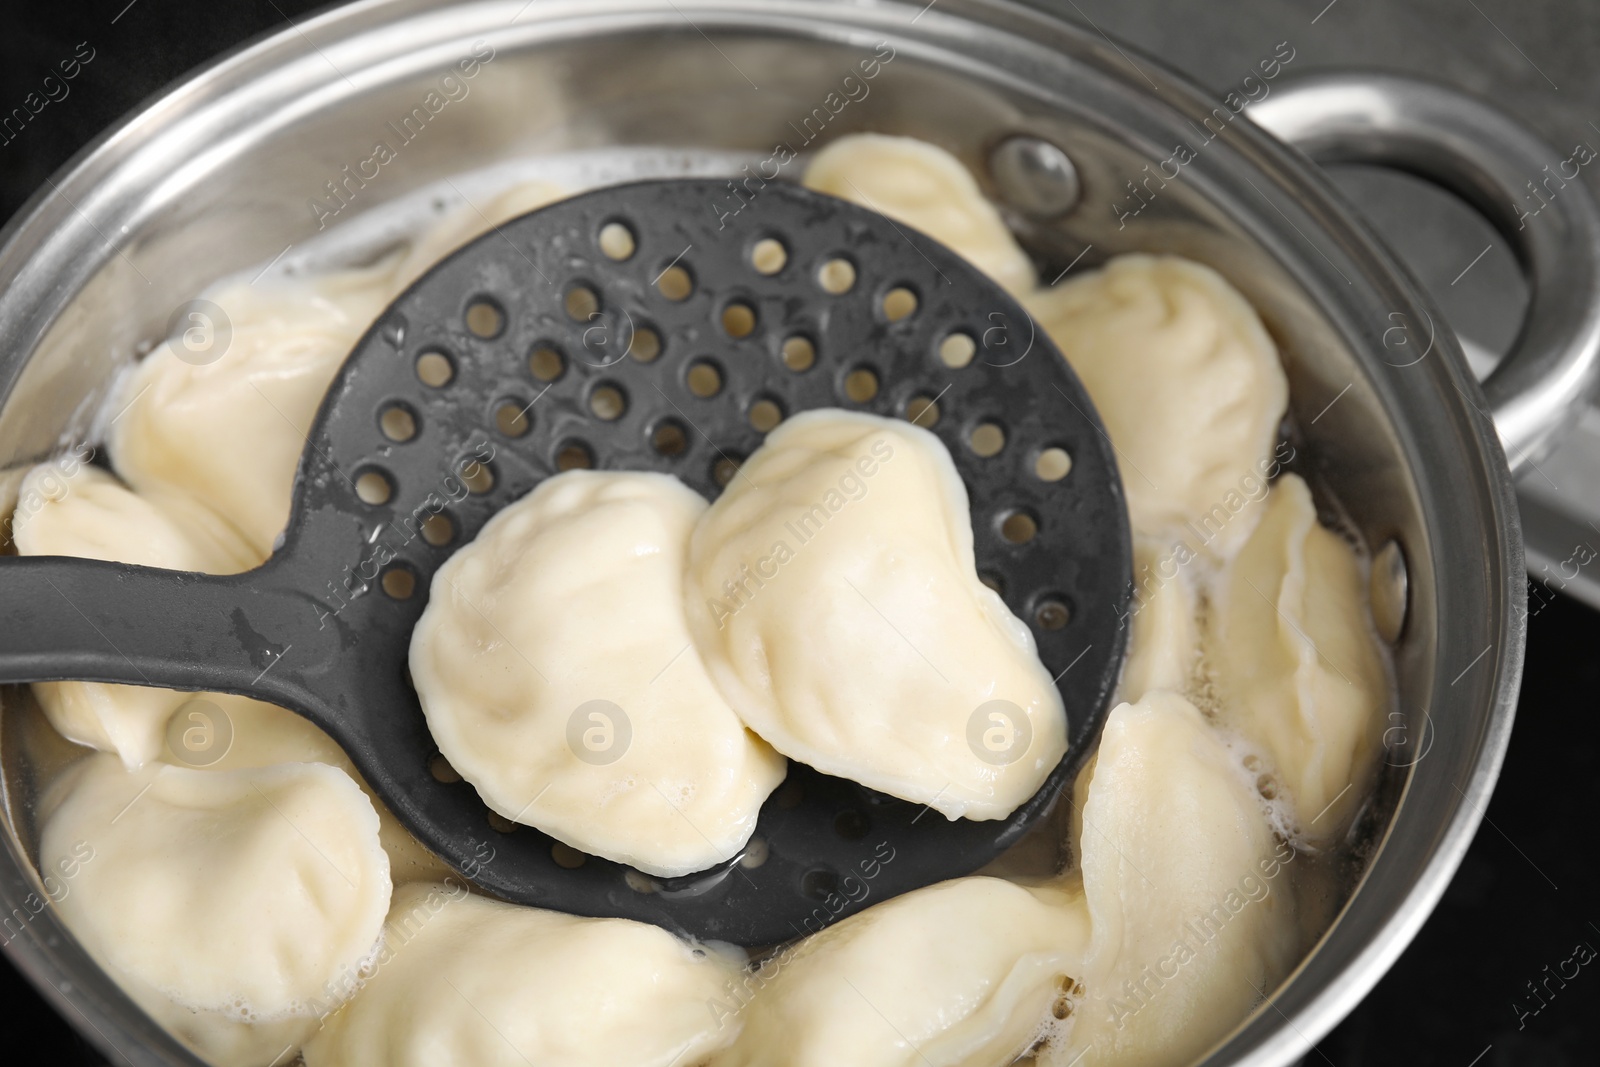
(1296, 660)
(236, 907)
(835, 597)
(86, 512)
(966, 973)
(1165, 638)
(1189, 387)
(925, 187)
(250, 734)
(225, 424)
(555, 668)
(463, 981)
(1190, 926)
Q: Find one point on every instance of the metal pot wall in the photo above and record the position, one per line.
(218, 174)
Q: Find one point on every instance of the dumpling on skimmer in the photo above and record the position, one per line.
(557, 674)
(834, 595)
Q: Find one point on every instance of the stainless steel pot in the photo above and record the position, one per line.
(218, 174)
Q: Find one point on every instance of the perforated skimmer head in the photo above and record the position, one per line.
(639, 327)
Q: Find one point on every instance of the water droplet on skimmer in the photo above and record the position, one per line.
(754, 855)
(393, 330)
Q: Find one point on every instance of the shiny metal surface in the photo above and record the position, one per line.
(228, 161)
(1519, 184)
(1034, 177)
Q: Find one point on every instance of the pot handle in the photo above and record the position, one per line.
(1518, 183)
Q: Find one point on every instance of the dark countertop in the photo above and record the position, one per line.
(1526, 894)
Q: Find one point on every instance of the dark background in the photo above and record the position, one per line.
(1526, 894)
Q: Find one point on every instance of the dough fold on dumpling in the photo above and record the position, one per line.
(555, 668)
(964, 973)
(86, 512)
(235, 907)
(834, 594)
(1191, 913)
(923, 186)
(1164, 615)
(1297, 663)
(463, 980)
(1188, 384)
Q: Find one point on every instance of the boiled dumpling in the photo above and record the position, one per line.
(225, 425)
(1191, 917)
(924, 187)
(557, 673)
(464, 981)
(1297, 663)
(834, 594)
(86, 512)
(236, 907)
(1189, 387)
(250, 734)
(222, 417)
(965, 973)
(1164, 641)
(89, 513)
